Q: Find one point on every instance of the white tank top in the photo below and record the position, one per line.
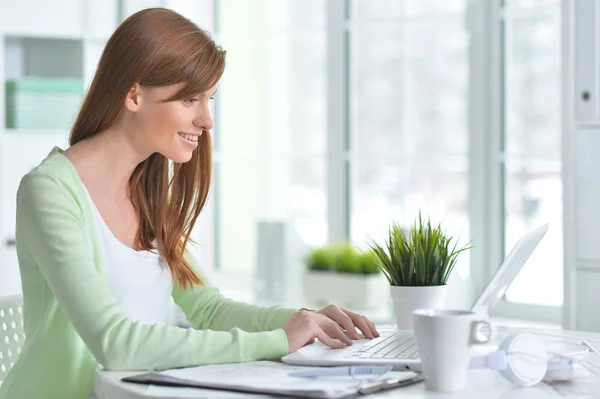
(140, 281)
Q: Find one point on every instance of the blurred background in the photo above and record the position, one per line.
(333, 119)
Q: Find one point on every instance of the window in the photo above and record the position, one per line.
(450, 107)
(532, 143)
(409, 81)
(270, 127)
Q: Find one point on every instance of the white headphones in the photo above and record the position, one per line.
(523, 360)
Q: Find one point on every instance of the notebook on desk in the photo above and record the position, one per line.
(271, 378)
(398, 348)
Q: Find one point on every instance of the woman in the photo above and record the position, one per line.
(102, 229)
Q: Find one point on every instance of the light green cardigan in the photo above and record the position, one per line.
(74, 325)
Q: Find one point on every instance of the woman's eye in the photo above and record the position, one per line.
(191, 100)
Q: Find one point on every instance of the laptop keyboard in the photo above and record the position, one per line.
(394, 345)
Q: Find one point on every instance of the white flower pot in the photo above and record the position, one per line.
(351, 291)
(408, 299)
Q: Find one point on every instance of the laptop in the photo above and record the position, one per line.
(398, 348)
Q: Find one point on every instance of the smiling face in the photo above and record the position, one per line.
(171, 128)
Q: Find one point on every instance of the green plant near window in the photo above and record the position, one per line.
(342, 258)
(423, 256)
(320, 259)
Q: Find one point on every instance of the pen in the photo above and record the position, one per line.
(388, 383)
(343, 371)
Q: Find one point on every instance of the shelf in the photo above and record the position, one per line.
(43, 82)
(34, 56)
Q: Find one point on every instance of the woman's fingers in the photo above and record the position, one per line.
(334, 330)
(333, 320)
(372, 327)
(361, 323)
(365, 325)
(331, 328)
(345, 320)
(341, 317)
(329, 341)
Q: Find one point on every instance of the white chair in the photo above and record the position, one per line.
(12, 336)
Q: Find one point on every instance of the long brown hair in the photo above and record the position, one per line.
(158, 47)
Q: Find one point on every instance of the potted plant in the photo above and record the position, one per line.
(417, 265)
(342, 274)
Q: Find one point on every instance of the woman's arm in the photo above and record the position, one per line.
(51, 235)
(206, 308)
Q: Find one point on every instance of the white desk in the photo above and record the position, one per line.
(481, 384)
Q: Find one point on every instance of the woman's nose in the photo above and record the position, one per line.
(204, 122)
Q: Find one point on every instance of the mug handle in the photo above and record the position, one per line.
(476, 338)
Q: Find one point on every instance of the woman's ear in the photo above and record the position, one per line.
(134, 98)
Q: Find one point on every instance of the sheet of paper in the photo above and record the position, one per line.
(265, 376)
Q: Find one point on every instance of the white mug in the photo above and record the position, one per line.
(444, 340)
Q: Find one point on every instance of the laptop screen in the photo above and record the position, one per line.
(508, 271)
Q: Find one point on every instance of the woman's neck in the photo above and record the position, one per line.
(105, 162)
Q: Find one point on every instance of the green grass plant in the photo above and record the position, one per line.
(423, 256)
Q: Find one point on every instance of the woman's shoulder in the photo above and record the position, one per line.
(54, 171)
(54, 163)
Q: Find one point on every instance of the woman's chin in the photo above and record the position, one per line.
(179, 156)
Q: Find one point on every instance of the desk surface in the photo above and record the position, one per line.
(484, 383)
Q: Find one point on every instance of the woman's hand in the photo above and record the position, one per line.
(350, 321)
(305, 326)
(327, 325)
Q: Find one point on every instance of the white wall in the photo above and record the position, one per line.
(582, 164)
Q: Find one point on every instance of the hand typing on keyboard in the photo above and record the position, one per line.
(329, 325)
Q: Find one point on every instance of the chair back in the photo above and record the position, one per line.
(12, 336)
